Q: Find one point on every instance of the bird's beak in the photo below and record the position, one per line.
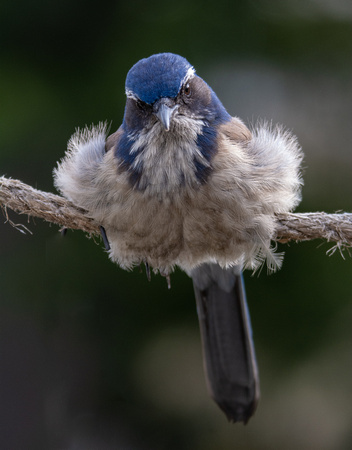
(163, 110)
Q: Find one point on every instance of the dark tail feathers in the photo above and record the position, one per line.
(229, 357)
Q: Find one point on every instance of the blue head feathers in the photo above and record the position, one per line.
(158, 76)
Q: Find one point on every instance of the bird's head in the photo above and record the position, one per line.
(169, 132)
(164, 88)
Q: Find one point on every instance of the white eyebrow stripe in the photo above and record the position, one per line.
(190, 74)
(131, 94)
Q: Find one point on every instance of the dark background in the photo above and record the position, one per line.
(92, 357)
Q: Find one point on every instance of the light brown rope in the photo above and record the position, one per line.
(24, 199)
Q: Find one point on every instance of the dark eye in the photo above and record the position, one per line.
(139, 104)
(187, 90)
(143, 107)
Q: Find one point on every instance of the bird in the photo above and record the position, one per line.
(182, 183)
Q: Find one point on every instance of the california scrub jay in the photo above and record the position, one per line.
(181, 182)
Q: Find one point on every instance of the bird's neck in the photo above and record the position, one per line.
(163, 163)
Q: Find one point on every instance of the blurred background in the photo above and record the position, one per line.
(92, 357)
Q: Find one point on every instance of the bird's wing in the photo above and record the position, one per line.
(235, 130)
(228, 350)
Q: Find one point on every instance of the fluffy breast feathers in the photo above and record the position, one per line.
(230, 219)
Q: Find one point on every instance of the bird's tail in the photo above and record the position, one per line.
(228, 350)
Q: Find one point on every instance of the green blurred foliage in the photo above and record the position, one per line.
(74, 327)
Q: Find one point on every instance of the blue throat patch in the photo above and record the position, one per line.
(123, 153)
(206, 142)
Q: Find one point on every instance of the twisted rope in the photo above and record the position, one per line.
(24, 199)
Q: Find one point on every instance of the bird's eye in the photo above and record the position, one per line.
(187, 90)
(140, 104)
